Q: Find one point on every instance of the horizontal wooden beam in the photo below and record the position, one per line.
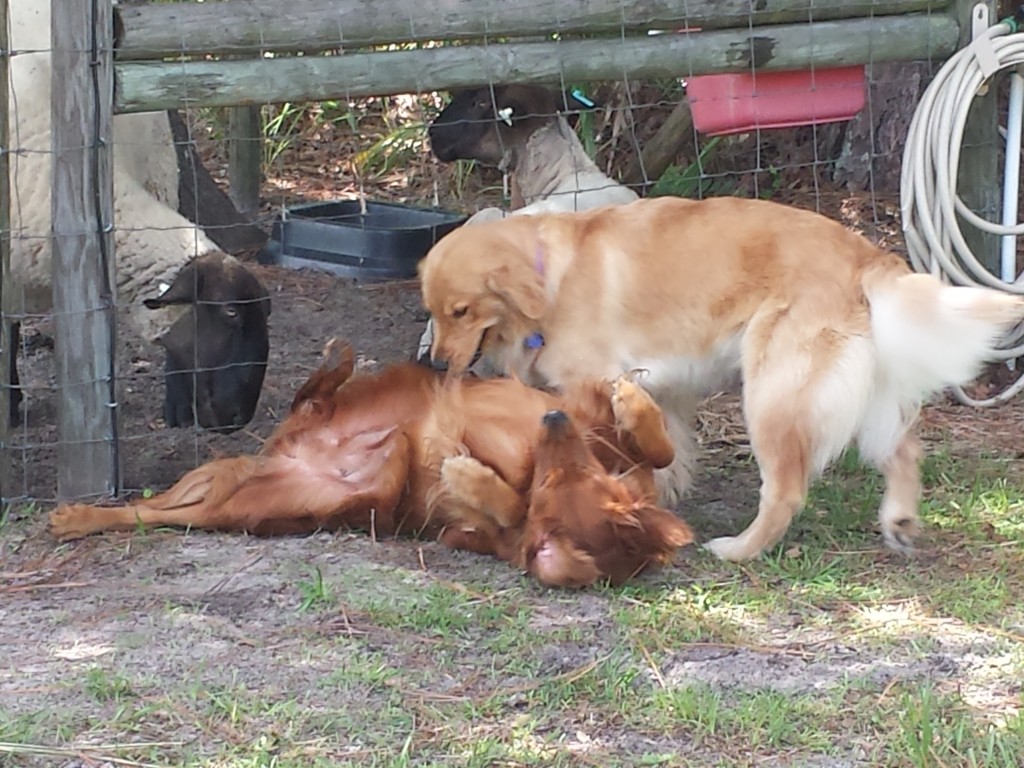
(162, 30)
(166, 85)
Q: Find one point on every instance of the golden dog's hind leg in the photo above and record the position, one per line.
(897, 515)
(192, 502)
(794, 382)
(783, 454)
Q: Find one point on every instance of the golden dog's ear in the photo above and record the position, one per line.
(522, 287)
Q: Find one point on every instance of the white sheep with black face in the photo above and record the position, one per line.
(152, 242)
(521, 129)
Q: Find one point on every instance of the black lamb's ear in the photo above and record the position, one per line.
(183, 290)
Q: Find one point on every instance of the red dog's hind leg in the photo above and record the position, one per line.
(358, 487)
(339, 361)
(193, 501)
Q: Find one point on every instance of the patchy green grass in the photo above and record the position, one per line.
(104, 685)
(316, 593)
(827, 651)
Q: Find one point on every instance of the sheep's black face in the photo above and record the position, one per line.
(477, 125)
(217, 351)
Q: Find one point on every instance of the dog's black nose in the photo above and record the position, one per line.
(555, 419)
(439, 365)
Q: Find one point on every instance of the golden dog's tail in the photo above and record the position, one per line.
(930, 336)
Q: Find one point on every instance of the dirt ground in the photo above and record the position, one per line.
(204, 615)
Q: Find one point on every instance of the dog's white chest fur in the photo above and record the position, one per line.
(700, 376)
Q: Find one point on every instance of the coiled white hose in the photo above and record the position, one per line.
(928, 201)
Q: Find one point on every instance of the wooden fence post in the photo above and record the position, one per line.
(245, 158)
(978, 183)
(81, 111)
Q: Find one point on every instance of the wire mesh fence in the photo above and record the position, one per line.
(331, 107)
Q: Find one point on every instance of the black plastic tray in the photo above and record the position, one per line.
(385, 243)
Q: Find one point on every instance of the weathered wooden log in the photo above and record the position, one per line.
(245, 157)
(83, 248)
(151, 86)
(160, 30)
(658, 152)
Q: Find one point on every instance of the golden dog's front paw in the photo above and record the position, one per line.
(900, 531)
(631, 404)
(72, 521)
(732, 548)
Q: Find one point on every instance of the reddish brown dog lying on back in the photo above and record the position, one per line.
(561, 487)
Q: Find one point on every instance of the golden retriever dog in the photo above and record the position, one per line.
(560, 486)
(832, 339)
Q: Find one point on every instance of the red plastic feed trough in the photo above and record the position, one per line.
(722, 104)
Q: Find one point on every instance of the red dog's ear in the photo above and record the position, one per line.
(521, 286)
